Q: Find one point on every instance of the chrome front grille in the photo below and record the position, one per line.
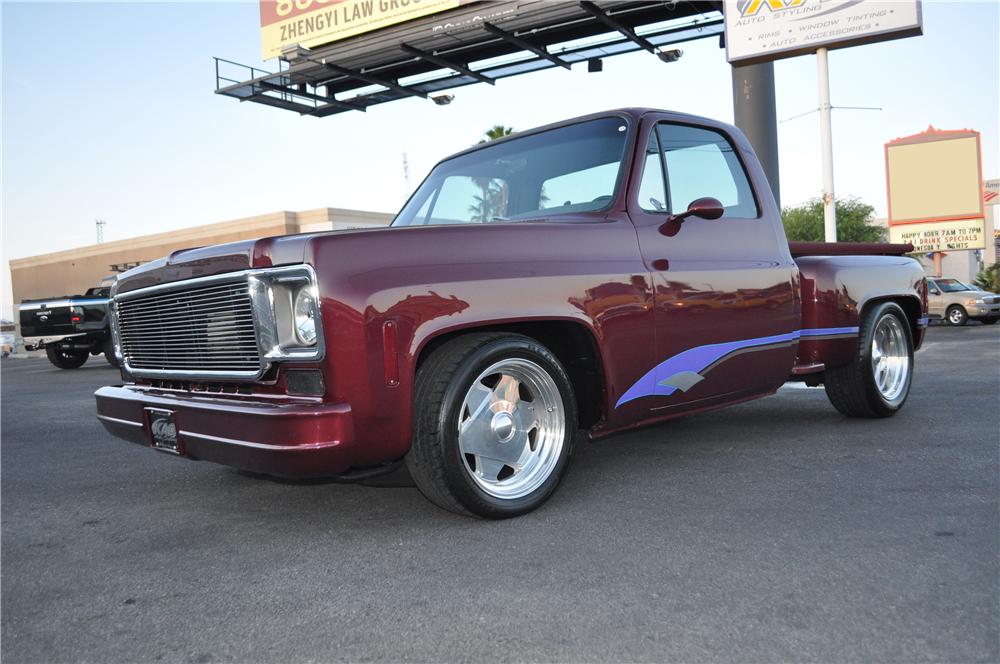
(197, 328)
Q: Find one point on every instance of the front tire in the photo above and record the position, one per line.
(877, 382)
(66, 359)
(957, 315)
(494, 422)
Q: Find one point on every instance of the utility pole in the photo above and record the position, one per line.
(826, 145)
(100, 223)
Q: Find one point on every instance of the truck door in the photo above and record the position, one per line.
(726, 303)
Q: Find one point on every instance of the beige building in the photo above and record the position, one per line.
(75, 270)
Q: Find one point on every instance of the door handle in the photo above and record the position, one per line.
(661, 264)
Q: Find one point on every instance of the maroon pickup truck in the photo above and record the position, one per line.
(598, 274)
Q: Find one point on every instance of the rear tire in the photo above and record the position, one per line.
(956, 315)
(493, 425)
(877, 382)
(109, 353)
(66, 359)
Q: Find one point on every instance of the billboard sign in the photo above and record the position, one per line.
(762, 30)
(313, 23)
(941, 235)
(934, 187)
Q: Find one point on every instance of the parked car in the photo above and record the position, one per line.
(8, 338)
(531, 287)
(957, 302)
(69, 328)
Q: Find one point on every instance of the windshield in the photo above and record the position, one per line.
(953, 286)
(570, 169)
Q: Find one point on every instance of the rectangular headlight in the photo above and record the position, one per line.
(287, 310)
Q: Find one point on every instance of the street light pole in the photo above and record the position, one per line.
(826, 141)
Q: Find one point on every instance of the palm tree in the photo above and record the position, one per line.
(493, 202)
(495, 132)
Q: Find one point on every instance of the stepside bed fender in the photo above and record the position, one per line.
(837, 289)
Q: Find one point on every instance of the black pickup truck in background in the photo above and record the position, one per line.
(70, 328)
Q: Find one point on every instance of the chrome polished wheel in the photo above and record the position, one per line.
(890, 359)
(511, 428)
(956, 316)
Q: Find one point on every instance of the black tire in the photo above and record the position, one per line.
(435, 460)
(852, 389)
(109, 353)
(956, 315)
(989, 321)
(66, 359)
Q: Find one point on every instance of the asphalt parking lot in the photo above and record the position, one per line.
(774, 530)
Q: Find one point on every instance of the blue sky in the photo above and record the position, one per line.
(109, 112)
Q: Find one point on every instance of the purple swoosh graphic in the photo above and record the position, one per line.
(695, 360)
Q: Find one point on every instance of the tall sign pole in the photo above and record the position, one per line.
(754, 114)
(826, 147)
(760, 31)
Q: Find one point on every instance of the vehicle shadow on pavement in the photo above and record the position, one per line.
(646, 461)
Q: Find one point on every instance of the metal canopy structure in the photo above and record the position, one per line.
(481, 42)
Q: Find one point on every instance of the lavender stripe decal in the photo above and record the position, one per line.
(686, 369)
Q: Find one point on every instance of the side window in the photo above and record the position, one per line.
(701, 162)
(652, 195)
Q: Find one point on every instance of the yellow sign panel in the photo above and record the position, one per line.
(316, 22)
(935, 179)
(941, 235)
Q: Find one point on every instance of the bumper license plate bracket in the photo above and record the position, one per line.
(163, 430)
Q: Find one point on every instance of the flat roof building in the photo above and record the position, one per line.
(75, 270)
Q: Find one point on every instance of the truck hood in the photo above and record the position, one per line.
(221, 258)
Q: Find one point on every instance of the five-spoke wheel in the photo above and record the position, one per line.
(511, 428)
